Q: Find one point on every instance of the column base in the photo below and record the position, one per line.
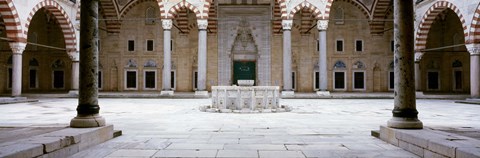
(323, 93)
(166, 93)
(73, 93)
(404, 123)
(87, 121)
(288, 93)
(201, 94)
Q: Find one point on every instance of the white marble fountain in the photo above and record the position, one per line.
(245, 98)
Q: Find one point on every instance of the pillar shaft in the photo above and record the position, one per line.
(88, 108)
(167, 61)
(404, 112)
(418, 77)
(322, 61)
(202, 54)
(287, 55)
(75, 75)
(17, 51)
(475, 75)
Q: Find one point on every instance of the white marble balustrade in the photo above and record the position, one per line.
(245, 97)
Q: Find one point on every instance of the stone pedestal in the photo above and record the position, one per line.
(405, 112)
(166, 78)
(88, 108)
(17, 51)
(166, 93)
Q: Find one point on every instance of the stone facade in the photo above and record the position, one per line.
(358, 45)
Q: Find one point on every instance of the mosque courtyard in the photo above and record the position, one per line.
(176, 127)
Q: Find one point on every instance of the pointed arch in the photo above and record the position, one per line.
(131, 5)
(13, 25)
(380, 11)
(62, 18)
(184, 4)
(474, 35)
(305, 4)
(355, 3)
(428, 19)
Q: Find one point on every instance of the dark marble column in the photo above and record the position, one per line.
(88, 108)
(405, 111)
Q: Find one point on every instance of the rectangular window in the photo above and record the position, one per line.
(359, 80)
(339, 45)
(131, 81)
(58, 79)
(318, 45)
(149, 45)
(195, 80)
(32, 81)
(339, 80)
(316, 79)
(172, 79)
(100, 80)
(359, 45)
(391, 80)
(150, 79)
(131, 45)
(10, 77)
(458, 79)
(433, 80)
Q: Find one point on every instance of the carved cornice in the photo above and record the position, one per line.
(202, 24)
(17, 47)
(167, 24)
(287, 24)
(418, 56)
(322, 25)
(473, 49)
(74, 55)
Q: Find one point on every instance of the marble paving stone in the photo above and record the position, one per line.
(174, 146)
(317, 147)
(186, 153)
(254, 147)
(132, 153)
(278, 154)
(237, 153)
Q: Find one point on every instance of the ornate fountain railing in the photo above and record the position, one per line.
(243, 97)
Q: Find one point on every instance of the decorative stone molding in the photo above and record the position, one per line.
(287, 24)
(17, 47)
(322, 25)
(202, 24)
(74, 55)
(473, 49)
(167, 24)
(418, 56)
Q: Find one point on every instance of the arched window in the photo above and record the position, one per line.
(150, 16)
(339, 15)
(339, 65)
(359, 65)
(457, 64)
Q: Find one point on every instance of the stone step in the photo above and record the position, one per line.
(60, 143)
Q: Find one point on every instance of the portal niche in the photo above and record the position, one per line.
(245, 54)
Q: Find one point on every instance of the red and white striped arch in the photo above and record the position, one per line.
(184, 4)
(428, 19)
(305, 4)
(355, 3)
(63, 19)
(13, 25)
(130, 6)
(379, 13)
(474, 35)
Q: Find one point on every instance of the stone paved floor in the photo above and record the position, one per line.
(176, 128)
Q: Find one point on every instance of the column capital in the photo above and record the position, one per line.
(418, 56)
(473, 49)
(322, 25)
(17, 47)
(287, 24)
(202, 24)
(167, 24)
(74, 55)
